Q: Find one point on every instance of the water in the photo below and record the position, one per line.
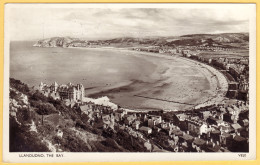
(120, 75)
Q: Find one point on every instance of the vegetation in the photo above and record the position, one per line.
(17, 84)
(21, 140)
(50, 116)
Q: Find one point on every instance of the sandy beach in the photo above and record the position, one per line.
(187, 91)
(130, 79)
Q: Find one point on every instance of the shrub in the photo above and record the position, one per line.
(110, 143)
(23, 115)
(12, 94)
(74, 144)
(21, 140)
(17, 84)
(38, 96)
(46, 109)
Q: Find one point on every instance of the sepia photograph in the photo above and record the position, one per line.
(171, 79)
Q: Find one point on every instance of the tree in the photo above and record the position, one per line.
(38, 96)
(45, 109)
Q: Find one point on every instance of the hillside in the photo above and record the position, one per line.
(42, 124)
(59, 42)
(234, 40)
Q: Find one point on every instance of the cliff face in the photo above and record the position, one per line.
(59, 42)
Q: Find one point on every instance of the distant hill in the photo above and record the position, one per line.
(59, 42)
(185, 40)
(221, 38)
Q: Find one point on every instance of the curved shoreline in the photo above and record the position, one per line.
(222, 85)
(218, 82)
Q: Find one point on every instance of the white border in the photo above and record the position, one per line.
(130, 157)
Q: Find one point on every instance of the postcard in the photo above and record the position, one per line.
(129, 82)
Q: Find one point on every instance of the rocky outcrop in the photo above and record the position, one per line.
(60, 42)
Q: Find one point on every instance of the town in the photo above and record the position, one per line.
(220, 127)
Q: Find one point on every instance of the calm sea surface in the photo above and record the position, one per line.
(120, 75)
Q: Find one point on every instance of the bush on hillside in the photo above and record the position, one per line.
(21, 140)
(18, 85)
(38, 96)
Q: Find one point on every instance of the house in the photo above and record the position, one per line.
(154, 120)
(151, 123)
(212, 120)
(186, 140)
(173, 145)
(219, 114)
(118, 116)
(215, 135)
(236, 127)
(243, 123)
(227, 117)
(108, 121)
(186, 53)
(205, 114)
(198, 144)
(197, 127)
(212, 147)
(176, 133)
(130, 119)
(180, 121)
(225, 139)
(136, 124)
(225, 128)
(167, 126)
(146, 130)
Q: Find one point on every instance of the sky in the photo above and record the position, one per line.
(33, 22)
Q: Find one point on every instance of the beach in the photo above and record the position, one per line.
(201, 81)
(130, 79)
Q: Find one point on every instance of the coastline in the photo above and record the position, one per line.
(218, 82)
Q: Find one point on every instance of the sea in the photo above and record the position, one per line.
(131, 79)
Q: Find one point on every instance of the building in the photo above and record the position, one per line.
(136, 124)
(130, 119)
(197, 127)
(198, 144)
(146, 130)
(154, 120)
(63, 92)
(108, 121)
